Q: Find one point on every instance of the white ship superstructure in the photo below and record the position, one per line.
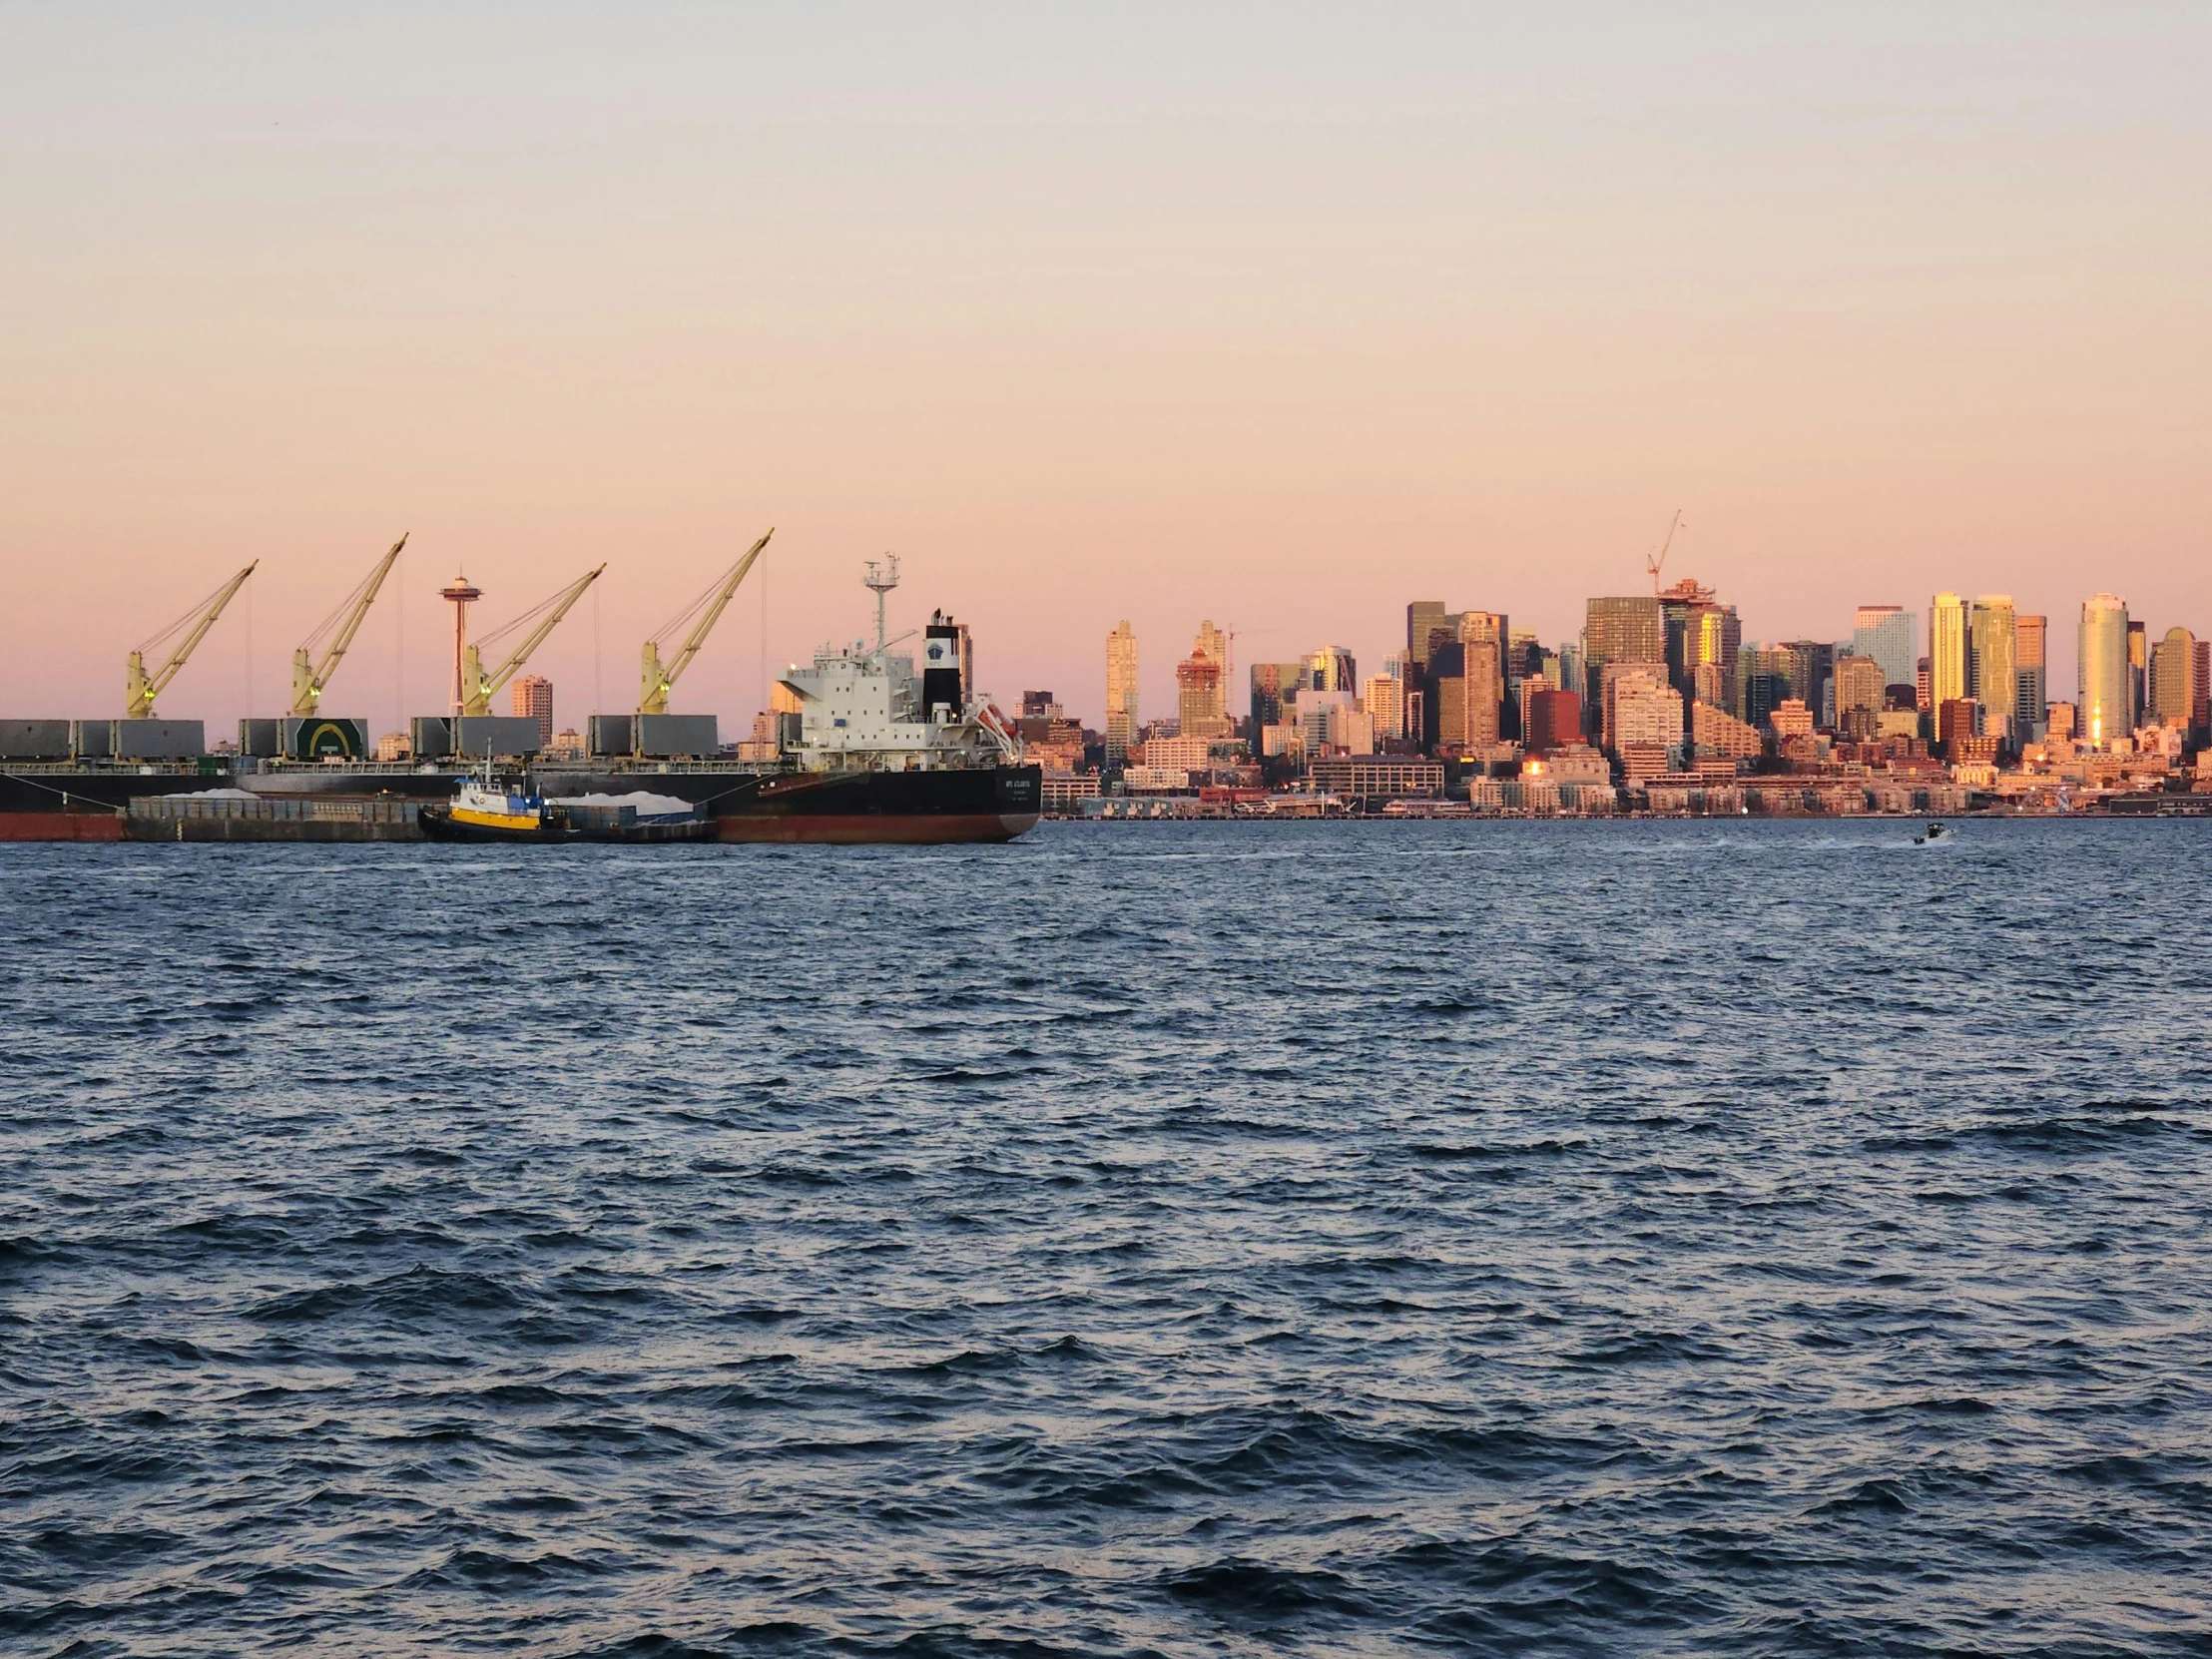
(863, 708)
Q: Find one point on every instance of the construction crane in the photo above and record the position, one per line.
(309, 675)
(541, 620)
(1655, 564)
(140, 688)
(656, 679)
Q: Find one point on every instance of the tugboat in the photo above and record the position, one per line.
(480, 812)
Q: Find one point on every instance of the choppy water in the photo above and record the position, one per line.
(1763, 1239)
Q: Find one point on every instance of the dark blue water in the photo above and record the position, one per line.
(1743, 1239)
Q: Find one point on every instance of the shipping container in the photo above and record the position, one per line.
(33, 740)
(695, 737)
(160, 740)
(611, 734)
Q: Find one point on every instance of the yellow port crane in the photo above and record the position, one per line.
(656, 679)
(541, 619)
(309, 675)
(141, 688)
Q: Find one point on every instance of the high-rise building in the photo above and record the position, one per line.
(1992, 662)
(1554, 721)
(1627, 629)
(1702, 637)
(533, 700)
(1813, 678)
(1275, 692)
(1642, 708)
(1425, 620)
(1482, 636)
(1444, 711)
(1887, 634)
(1332, 668)
(1383, 697)
(2032, 678)
(1198, 699)
(1947, 650)
(1859, 686)
(1040, 705)
(2138, 673)
(2173, 674)
(1213, 645)
(2101, 710)
(1121, 692)
(1765, 678)
(2200, 696)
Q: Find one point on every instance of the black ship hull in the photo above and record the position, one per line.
(993, 804)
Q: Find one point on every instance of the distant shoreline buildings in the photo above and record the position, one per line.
(1660, 704)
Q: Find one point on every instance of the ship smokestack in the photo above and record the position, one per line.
(943, 694)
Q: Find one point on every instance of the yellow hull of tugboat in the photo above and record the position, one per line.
(526, 823)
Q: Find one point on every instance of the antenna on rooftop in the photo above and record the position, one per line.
(879, 582)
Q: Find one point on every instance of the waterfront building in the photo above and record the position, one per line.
(2102, 712)
(1948, 676)
(1992, 662)
(1887, 633)
(2173, 662)
(533, 700)
(1379, 777)
(1121, 692)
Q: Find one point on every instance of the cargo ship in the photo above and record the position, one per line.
(868, 751)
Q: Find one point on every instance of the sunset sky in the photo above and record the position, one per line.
(1275, 315)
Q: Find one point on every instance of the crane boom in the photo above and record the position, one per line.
(140, 688)
(548, 617)
(1656, 565)
(308, 677)
(655, 680)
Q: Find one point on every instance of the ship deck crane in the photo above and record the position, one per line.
(141, 688)
(309, 675)
(541, 620)
(656, 679)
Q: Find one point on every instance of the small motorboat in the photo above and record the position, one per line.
(480, 812)
(1934, 832)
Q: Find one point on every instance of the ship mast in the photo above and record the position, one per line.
(879, 582)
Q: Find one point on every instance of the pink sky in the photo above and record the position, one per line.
(1275, 316)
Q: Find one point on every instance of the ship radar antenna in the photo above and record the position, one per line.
(879, 580)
